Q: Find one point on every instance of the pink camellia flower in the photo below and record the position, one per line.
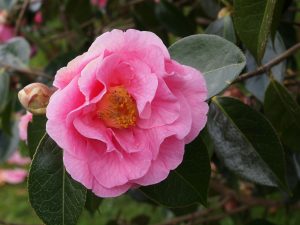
(38, 18)
(124, 111)
(23, 124)
(13, 176)
(6, 33)
(17, 159)
(100, 3)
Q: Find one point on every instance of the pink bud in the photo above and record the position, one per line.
(38, 18)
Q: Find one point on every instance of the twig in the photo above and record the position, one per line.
(193, 216)
(203, 21)
(69, 32)
(19, 21)
(247, 200)
(27, 72)
(221, 216)
(266, 68)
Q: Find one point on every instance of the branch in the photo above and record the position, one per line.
(221, 216)
(266, 68)
(29, 73)
(19, 21)
(247, 200)
(245, 203)
(193, 216)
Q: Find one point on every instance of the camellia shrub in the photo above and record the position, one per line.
(189, 106)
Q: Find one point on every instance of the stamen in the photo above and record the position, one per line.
(117, 108)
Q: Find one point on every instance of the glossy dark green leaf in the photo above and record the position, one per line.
(296, 160)
(222, 27)
(36, 130)
(15, 52)
(188, 183)
(254, 22)
(284, 113)
(92, 202)
(219, 60)
(56, 198)
(246, 142)
(258, 85)
(7, 114)
(173, 19)
(4, 89)
(9, 143)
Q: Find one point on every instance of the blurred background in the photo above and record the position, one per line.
(58, 30)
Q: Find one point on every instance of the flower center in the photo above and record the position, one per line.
(117, 108)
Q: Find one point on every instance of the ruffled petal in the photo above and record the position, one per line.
(170, 156)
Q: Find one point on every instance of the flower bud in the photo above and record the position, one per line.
(35, 97)
(3, 16)
(226, 11)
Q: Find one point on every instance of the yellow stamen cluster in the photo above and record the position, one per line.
(117, 108)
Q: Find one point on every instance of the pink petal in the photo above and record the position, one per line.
(70, 98)
(88, 84)
(65, 75)
(114, 169)
(104, 192)
(130, 41)
(165, 108)
(170, 156)
(23, 124)
(14, 176)
(6, 33)
(192, 85)
(17, 159)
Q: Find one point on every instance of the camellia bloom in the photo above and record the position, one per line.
(12, 176)
(100, 3)
(6, 33)
(23, 124)
(124, 111)
(18, 159)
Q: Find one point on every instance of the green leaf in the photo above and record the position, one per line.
(56, 198)
(9, 143)
(4, 89)
(222, 27)
(15, 52)
(284, 113)
(7, 4)
(92, 202)
(258, 85)
(7, 114)
(219, 60)
(246, 142)
(254, 22)
(36, 130)
(173, 19)
(188, 183)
